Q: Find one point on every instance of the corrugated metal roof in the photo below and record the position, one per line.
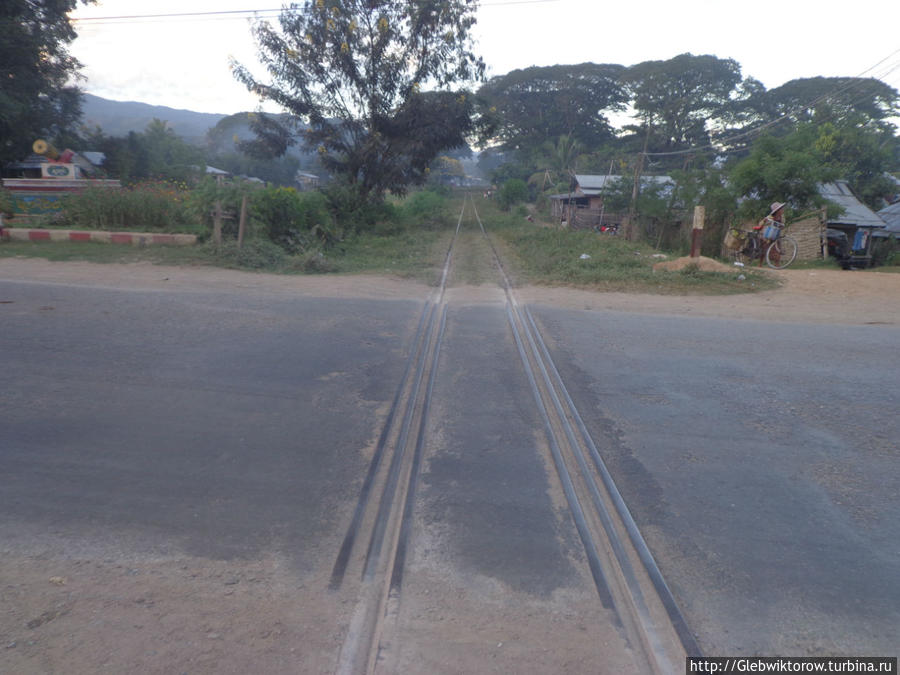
(855, 212)
(891, 217)
(592, 185)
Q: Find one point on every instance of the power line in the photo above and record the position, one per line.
(175, 15)
(248, 13)
(854, 82)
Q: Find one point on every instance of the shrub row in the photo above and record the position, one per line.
(297, 222)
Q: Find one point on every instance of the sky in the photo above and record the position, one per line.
(183, 62)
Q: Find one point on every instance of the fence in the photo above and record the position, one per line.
(583, 218)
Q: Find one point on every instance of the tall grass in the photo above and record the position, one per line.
(551, 255)
(151, 206)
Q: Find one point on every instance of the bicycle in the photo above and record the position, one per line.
(780, 251)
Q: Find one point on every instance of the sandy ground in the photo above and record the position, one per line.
(61, 612)
(90, 614)
(806, 296)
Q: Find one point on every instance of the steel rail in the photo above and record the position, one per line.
(343, 557)
(382, 566)
(634, 612)
(692, 648)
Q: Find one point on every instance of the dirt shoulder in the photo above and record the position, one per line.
(150, 277)
(806, 296)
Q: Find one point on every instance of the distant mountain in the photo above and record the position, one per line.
(117, 118)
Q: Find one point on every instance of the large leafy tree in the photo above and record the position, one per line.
(155, 152)
(868, 99)
(865, 103)
(36, 70)
(790, 165)
(787, 169)
(373, 79)
(680, 100)
(861, 153)
(538, 105)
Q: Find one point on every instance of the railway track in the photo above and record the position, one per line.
(392, 475)
(627, 580)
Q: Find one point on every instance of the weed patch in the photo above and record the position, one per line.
(587, 259)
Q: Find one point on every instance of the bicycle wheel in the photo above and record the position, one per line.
(781, 252)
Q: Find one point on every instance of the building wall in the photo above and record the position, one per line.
(809, 234)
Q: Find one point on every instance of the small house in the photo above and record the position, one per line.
(891, 217)
(858, 221)
(583, 205)
(307, 181)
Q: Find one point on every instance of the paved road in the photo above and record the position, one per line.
(758, 458)
(213, 423)
(761, 461)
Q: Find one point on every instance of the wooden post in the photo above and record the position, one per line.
(823, 219)
(217, 223)
(217, 217)
(242, 224)
(697, 231)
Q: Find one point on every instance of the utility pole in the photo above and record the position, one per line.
(639, 167)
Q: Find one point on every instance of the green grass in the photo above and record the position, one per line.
(410, 253)
(411, 244)
(48, 223)
(98, 252)
(552, 256)
(415, 254)
(415, 249)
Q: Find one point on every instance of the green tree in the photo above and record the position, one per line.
(539, 104)
(168, 155)
(564, 155)
(678, 101)
(512, 192)
(862, 154)
(802, 100)
(37, 98)
(444, 170)
(355, 71)
(787, 169)
(157, 151)
(790, 166)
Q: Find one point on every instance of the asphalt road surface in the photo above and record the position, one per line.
(172, 457)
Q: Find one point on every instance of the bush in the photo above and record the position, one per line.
(355, 213)
(228, 195)
(314, 262)
(885, 251)
(427, 208)
(150, 206)
(293, 220)
(254, 254)
(511, 192)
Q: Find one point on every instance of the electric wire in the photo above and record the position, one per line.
(856, 81)
(247, 13)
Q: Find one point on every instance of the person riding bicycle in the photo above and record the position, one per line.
(769, 227)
